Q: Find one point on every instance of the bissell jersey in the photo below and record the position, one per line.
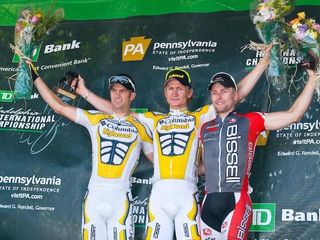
(228, 150)
(175, 141)
(116, 145)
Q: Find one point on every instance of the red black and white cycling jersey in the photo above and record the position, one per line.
(228, 149)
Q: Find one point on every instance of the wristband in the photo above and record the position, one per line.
(34, 73)
(87, 95)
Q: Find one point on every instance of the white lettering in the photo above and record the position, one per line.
(232, 159)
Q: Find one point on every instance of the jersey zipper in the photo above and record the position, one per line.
(219, 158)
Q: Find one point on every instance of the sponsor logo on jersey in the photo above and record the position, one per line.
(115, 233)
(232, 120)
(244, 221)
(174, 134)
(186, 230)
(263, 217)
(135, 49)
(212, 128)
(156, 231)
(207, 231)
(93, 232)
(111, 133)
(232, 158)
(115, 140)
(224, 224)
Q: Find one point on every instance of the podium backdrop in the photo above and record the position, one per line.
(45, 160)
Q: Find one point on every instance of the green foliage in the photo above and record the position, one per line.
(47, 23)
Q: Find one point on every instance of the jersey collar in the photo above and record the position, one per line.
(178, 111)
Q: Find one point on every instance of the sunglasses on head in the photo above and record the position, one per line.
(121, 79)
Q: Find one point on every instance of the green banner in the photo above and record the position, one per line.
(111, 9)
(46, 159)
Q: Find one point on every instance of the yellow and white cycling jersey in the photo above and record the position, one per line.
(116, 145)
(175, 141)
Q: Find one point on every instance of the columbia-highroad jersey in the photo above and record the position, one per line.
(175, 141)
(116, 144)
(228, 150)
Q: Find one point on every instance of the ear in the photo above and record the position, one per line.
(132, 96)
(165, 92)
(190, 93)
(236, 96)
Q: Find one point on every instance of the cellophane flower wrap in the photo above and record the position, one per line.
(31, 28)
(305, 35)
(268, 18)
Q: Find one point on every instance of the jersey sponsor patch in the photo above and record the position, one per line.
(207, 232)
(115, 140)
(174, 134)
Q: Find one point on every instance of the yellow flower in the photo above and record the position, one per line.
(294, 21)
(314, 34)
(260, 7)
(39, 15)
(301, 15)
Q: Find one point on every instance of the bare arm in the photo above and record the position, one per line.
(54, 101)
(247, 83)
(277, 120)
(98, 102)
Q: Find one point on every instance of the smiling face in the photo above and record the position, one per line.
(121, 98)
(177, 94)
(223, 99)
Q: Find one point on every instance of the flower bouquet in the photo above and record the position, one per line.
(30, 30)
(268, 17)
(305, 35)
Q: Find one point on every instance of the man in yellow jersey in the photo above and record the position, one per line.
(116, 139)
(173, 204)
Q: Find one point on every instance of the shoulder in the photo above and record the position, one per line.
(255, 115)
(203, 109)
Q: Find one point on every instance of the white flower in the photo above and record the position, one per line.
(264, 15)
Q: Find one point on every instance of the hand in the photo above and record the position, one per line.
(311, 61)
(79, 86)
(266, 55)
(312, 75)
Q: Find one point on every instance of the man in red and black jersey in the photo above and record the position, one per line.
(228, 147)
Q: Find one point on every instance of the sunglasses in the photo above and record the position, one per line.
(121, 79)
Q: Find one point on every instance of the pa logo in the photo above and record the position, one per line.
(135, 48)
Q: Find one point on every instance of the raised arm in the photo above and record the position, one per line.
(98, 102)
(53, 100)
(247, 83)
(101, 104)
(277, 120)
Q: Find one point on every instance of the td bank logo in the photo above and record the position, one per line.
(34, 55)
(264, 217)
(6, 96)
(135, 48)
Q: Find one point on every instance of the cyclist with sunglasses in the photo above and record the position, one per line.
(173, 203)
(117, 139)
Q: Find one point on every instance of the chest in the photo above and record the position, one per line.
(176, 124)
